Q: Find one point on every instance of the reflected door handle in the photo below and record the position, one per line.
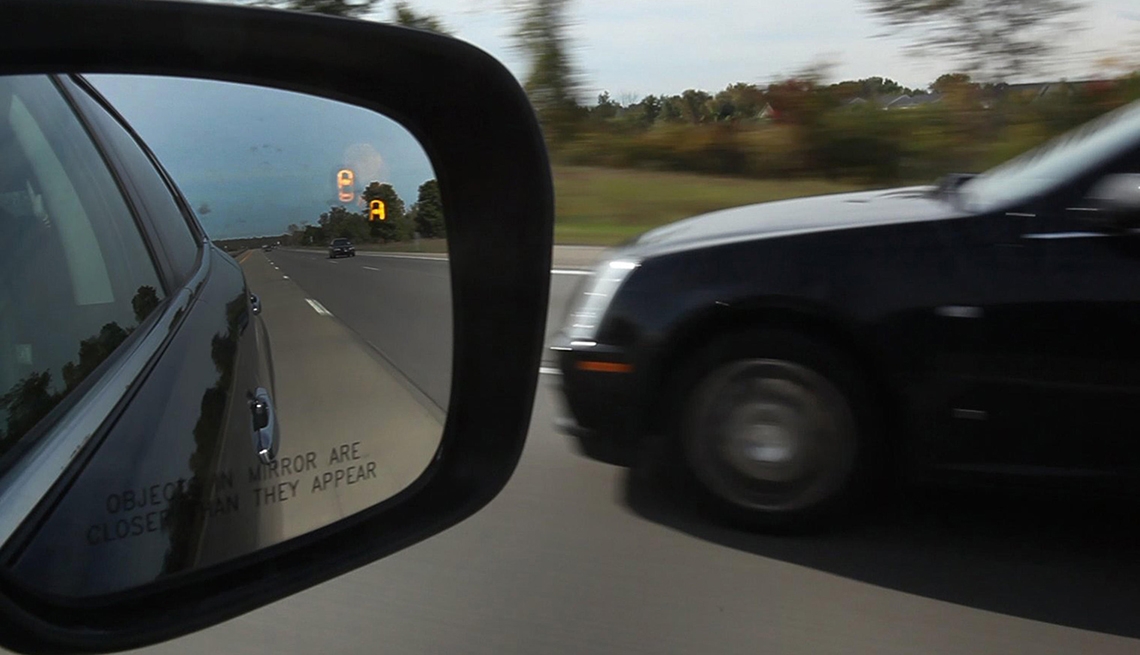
(255, 303)
(264, 426)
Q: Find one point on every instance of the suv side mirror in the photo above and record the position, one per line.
(1114, 201)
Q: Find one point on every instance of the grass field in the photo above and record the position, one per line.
(603, 206)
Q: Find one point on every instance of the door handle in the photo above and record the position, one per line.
(264, 423)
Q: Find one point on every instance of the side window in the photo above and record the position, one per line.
(178, 242)
(75, 274)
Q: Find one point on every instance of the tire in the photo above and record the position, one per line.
(774, 429)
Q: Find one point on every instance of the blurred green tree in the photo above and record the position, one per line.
(343, 8)
(552, 83)
(429, 211)
(994, 38)
(406, 16)
(391, 228)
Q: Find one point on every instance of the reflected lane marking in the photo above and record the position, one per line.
(549, 370)
(286, 277)
(424, 258)
(371, 269)
(318, 307)
(569, 271)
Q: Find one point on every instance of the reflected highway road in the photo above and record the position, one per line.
(577, 556)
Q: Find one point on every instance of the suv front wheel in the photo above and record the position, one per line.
(773, 427)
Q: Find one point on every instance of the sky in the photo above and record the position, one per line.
(632, 48)
(261, 162)
(259, 158)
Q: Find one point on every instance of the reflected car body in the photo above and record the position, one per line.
(128, 506)
(994, 331)
(341, 248)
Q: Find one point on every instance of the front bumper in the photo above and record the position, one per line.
(602, 408)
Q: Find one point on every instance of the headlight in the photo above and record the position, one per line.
(590, 309)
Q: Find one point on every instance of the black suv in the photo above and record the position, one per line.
(783, 354)
(341, 248)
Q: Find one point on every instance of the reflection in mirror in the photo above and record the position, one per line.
(308, 379)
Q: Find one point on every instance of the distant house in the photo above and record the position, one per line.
(1034, 91)
(917, 100)
(896, 101)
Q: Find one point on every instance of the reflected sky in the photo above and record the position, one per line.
(252, 160)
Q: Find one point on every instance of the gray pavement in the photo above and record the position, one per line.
(576, 556)
(563, 257)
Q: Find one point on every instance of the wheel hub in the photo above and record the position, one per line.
(762, 442)
(770, 434)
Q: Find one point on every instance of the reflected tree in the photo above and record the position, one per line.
(30, 399)
(92, 352)
(428, 211)
(393, 227)
(186, 517)
(144, 302)
(26, 402)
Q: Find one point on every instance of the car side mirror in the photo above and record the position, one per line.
(181, 552)
(1114, 202)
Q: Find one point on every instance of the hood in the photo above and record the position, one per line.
(797, 216)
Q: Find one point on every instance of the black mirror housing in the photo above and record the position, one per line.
(483, 139)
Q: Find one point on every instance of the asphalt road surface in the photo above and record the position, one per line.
(577, 556)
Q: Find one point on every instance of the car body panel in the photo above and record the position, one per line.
(137, 512)
(194, 392)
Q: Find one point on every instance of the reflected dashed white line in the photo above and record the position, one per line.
(549, 370)
(318, 307)
(371, 269)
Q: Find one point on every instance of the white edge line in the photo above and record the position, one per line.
(318, 307)
(427, 258)
(549, 370)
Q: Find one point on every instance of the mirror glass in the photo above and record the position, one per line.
(305, 378)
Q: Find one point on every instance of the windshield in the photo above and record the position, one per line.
(340, 242)
(1041, 169)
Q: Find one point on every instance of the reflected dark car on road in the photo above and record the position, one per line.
(341, 248)
(783, 356)
(136, 325)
